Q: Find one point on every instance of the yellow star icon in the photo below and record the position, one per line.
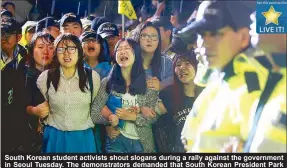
(271, 16)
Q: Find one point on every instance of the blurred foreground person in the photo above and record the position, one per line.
(268, 132)
(216, 115)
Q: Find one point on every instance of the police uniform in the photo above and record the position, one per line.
(269, 133)
(13, 108)
(268, 130)
(217, 116)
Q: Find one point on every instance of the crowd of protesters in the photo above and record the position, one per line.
(76, 85)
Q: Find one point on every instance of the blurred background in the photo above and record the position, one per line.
(38, 9)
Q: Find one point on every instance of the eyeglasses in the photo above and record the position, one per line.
(70, 49)
(91, 41)
(153, 37)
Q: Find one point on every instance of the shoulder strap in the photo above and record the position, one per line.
(252, 81)
(90, 78)
(48, 80)
(273, 79)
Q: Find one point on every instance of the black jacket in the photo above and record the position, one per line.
(13, 105)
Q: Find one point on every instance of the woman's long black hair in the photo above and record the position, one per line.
(30, 47)
(178, 89)
(138, 80)
(156, 60)
(54, 73)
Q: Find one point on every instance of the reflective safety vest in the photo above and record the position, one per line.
(196, 115)
(219, 113)
(270, 134)
(17, 59)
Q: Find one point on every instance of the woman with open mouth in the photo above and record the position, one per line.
(40, 55)
(177, 102)
(69, 89)
(94, 53)
(97, 59)
(127, 81)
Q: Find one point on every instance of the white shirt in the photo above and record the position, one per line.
(129, 129)
(69, 106)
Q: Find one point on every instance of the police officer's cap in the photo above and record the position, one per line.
(69, 18)
(11, 26)
(108, 29)
(96, 23)
(162, 22)
(7, 13)
(45, 23)
(219, 14)
(89, 34)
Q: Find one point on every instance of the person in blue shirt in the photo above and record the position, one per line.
(95, 56)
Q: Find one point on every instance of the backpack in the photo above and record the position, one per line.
(90, 78)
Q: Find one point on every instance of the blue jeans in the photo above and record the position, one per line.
(122, 144)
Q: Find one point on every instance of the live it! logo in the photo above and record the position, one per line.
(271, 17)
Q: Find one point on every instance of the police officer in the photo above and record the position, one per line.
(12, 64)
(268, 130)
(109, 31)
(9, 6)
(48, 25)
(215, 118)
(5, 14)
